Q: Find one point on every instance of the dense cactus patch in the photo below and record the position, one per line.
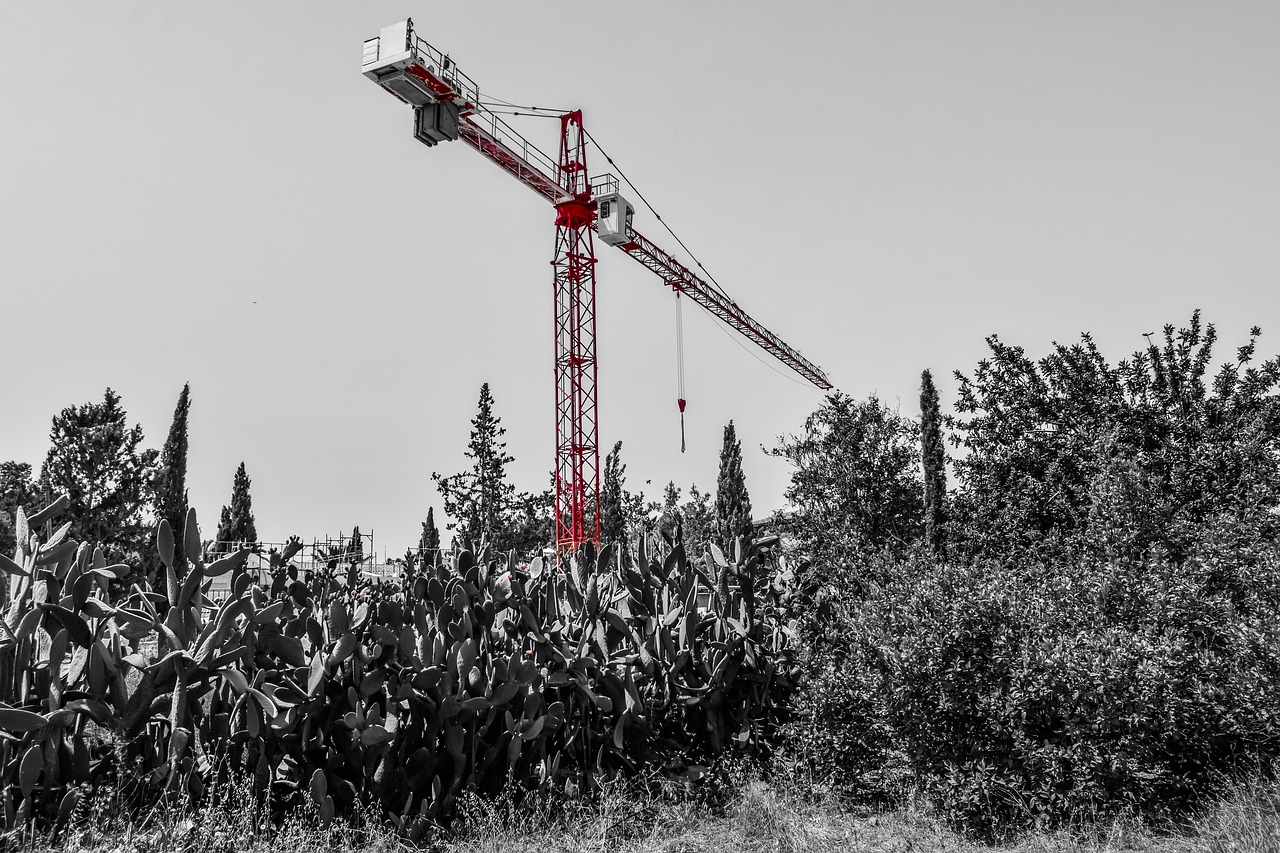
(474, 674)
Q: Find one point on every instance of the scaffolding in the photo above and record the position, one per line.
(339, 553)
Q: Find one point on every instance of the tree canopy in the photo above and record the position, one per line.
(613, 519)
(732, 503)
(933, 464)
(1071, 446)
(429, 541)
(17, 489)
(96, 459)
(855, 486)
(237, 524)
(482, 502)
(622, 512)
(171, 482)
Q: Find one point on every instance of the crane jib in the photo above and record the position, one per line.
(682, 278)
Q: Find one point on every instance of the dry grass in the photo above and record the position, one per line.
(760, 818)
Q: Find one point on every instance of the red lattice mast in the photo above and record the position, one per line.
(577, 439)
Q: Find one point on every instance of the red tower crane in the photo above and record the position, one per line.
(447, 106)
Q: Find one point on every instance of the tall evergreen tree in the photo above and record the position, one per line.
(481, 499)
(171, 484)
(933, 457)
(429, 541)
(236, 523)
(613, 516)
(95, 459)
(733, 504)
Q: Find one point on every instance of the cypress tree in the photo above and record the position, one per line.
(356, 548)
(236, 523)
(933, 460)
(613, 515)
(429, 542)
(733, 504)
(171, 484)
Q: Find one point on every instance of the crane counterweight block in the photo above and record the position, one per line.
(435, 123)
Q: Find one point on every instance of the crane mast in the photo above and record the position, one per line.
(577, 444)
(447, 106)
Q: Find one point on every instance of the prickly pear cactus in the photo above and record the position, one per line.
(469, 675)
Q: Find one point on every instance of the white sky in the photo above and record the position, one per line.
(213, 193)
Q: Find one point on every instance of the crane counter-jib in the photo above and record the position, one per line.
(514, 159)
(447, 106)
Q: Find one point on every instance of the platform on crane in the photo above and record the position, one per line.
(407, 66)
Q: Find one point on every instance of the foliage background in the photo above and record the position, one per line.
(1102, 636)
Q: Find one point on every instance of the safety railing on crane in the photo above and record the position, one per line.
(507, 136)
(439, 64)
(604, 184)
(482, 125)
(497, 129)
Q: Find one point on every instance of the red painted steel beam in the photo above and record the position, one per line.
(510, 161)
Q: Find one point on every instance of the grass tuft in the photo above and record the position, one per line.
(630, 818)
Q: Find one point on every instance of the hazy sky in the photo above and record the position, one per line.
(213, 193)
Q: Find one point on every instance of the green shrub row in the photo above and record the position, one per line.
(1036, 696)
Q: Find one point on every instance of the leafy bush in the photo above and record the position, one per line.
(1079, 689)
(838, 736)
(1101, 634)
